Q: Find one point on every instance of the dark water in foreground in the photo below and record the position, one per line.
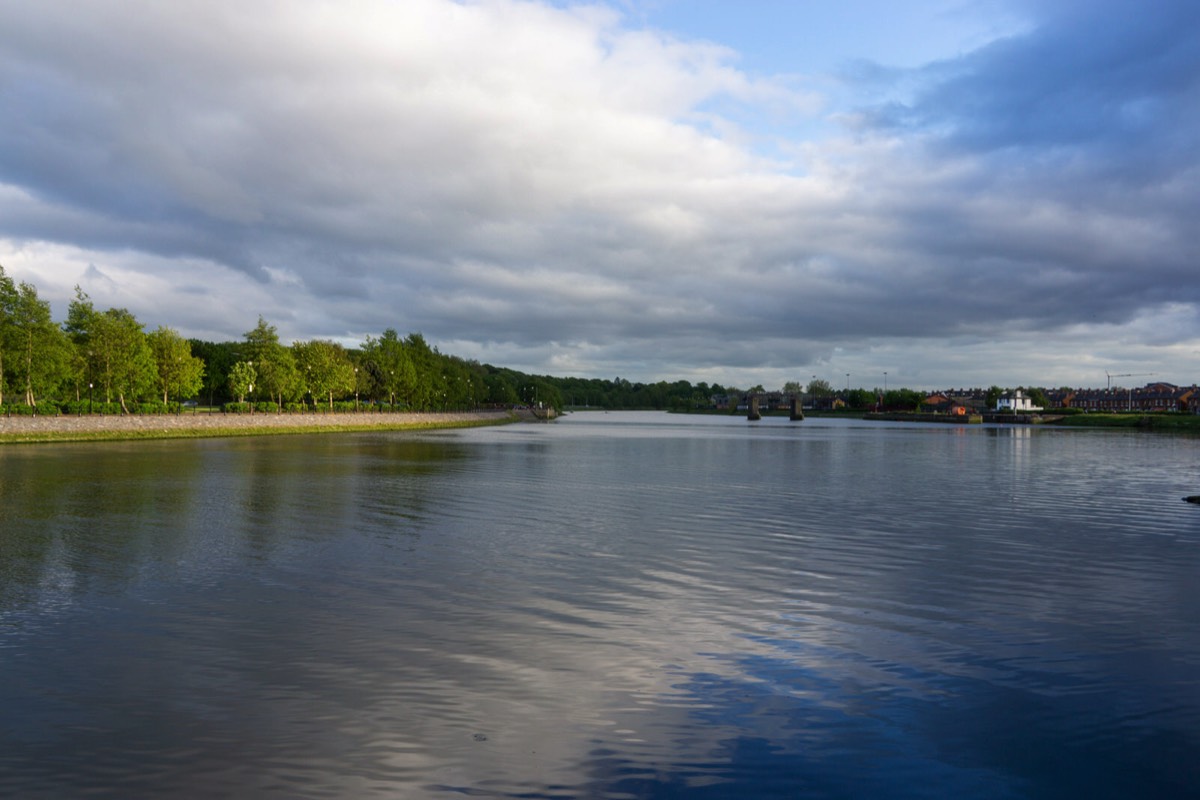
(611, 606)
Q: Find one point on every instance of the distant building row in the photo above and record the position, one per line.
(1159, 396)
(1151, 397)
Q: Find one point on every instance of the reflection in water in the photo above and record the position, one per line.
(614, 606)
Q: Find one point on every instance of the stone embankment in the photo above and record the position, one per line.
(197, 423)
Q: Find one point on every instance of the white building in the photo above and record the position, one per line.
(1018, 402)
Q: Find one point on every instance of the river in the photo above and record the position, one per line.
(623, 605)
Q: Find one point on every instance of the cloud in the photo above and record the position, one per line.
(502, 175)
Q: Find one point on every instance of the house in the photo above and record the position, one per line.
(1017, 402)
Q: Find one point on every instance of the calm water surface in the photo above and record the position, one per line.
(611, 606)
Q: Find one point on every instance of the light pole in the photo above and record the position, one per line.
(90, 397)
(356, 390)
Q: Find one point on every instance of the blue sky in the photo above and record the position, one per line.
(956, 193)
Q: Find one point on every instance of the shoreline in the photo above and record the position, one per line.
(60, 428)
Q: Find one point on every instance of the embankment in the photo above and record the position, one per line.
(59, 428)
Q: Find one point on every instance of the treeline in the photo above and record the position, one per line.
(104, 361)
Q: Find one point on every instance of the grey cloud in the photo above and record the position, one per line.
(531, 177)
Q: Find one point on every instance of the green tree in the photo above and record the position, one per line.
(388, 367)
(241, 380)
(8, 303)
(179, 372)
(325, 368)
(818, 387)
(40, 347)
(128, 365)
(218, 358)
(427, 379)
(860, 399)
(274, 364)
(112, 350)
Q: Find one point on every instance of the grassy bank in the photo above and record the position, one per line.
(1150, 422)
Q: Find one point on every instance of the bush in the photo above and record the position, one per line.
(265, 407)
(294, 408)
(154, 407)
(236, 408)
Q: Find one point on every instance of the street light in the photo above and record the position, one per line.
(89, 397)
(356, 390)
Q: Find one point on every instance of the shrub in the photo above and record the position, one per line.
(153, 407)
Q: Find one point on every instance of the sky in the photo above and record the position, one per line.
(937, 194)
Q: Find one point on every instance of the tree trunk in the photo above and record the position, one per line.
(29, 399)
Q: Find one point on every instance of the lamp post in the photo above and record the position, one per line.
(90, 397)
(356, 390)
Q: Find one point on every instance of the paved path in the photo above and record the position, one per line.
(202, 421)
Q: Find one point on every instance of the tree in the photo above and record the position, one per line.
(8, 302)
(39, 345)
(112, 350)
(179, 372)
(793, 387)
(818, 387)
(241, 380)
(860, 398)
(325, 368)
(80, 327)
(426, 385)
(388, 367)
(128, 365)
(274, 364)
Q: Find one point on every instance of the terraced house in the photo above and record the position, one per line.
(1158, 396)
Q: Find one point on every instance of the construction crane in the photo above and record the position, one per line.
(1126, 375)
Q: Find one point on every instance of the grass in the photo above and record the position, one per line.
(1151, 422)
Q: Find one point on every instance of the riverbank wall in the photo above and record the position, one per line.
(42, 427)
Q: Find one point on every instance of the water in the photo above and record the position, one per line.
(611, 606)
